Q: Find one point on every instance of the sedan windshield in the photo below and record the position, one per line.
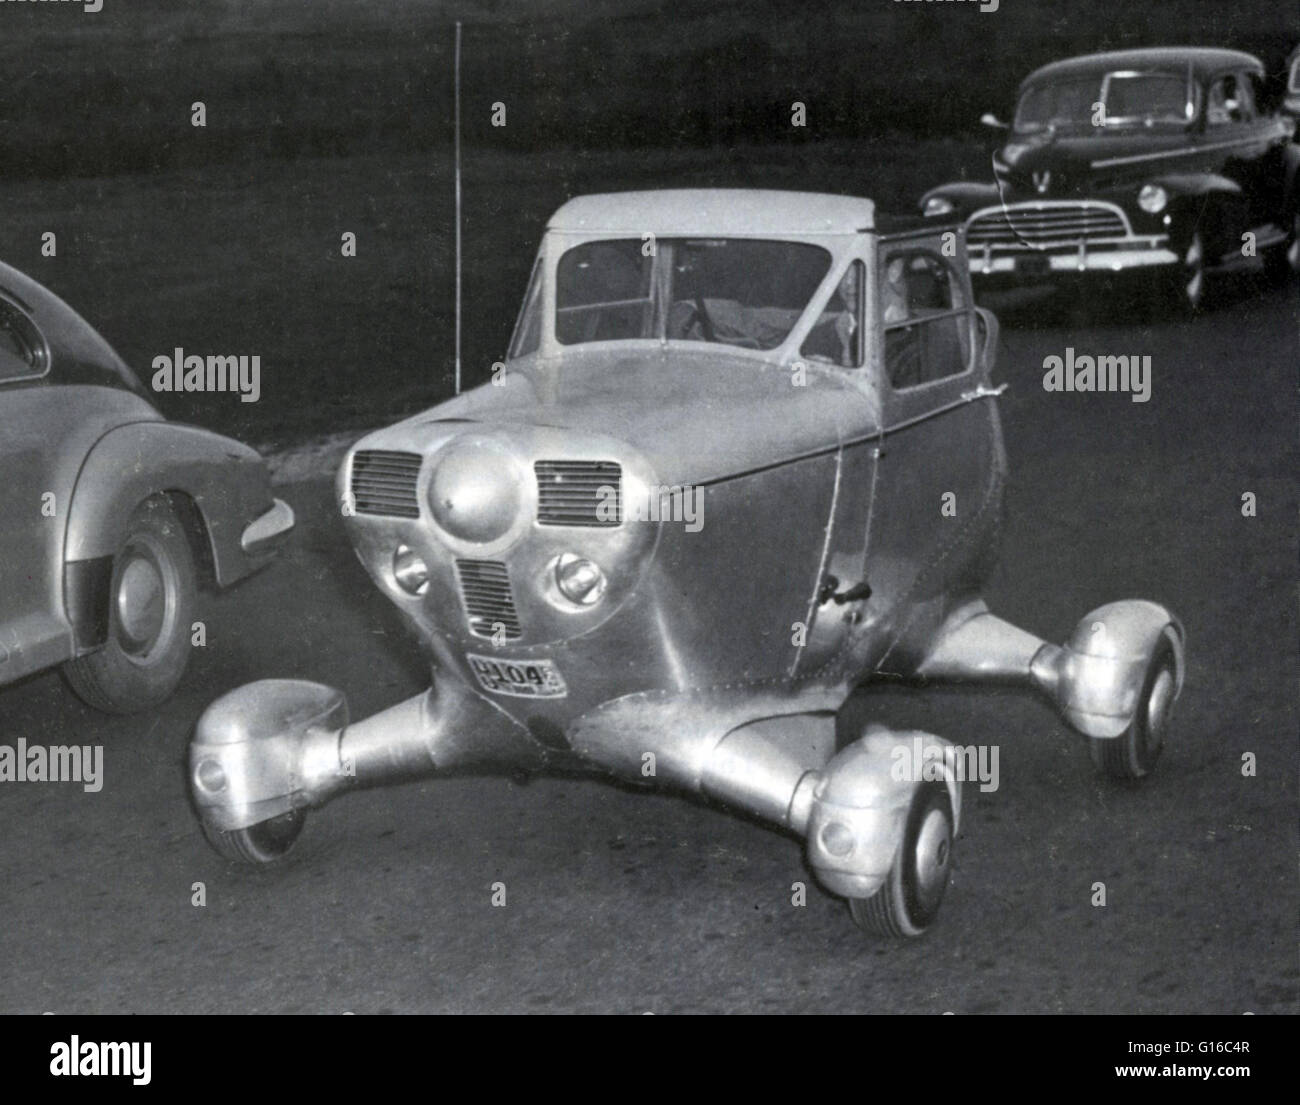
(1128, 99)
(732, 291)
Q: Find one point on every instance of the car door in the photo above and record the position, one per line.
(939, 467)
(32, 419)
(842, 337)
(1247, 149)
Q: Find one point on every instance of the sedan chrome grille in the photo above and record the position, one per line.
(1039, 224)
(489, 602)
(383, 482)
(579, 493)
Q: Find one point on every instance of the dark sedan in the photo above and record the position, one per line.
(1167, 159)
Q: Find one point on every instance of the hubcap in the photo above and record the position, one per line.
(140, 606)
(932, 853)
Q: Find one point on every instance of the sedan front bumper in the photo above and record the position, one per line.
(1072, 257)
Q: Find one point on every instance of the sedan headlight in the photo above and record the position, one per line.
(938, 205)
(1152, 199)
(579, 580)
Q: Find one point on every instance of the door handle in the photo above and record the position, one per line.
(830, 592)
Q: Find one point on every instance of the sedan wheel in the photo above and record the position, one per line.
(1187, 281)
(151, 605)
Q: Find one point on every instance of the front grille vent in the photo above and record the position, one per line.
(579, 493)
(489, 602)
(1039, 224)
(383, 482)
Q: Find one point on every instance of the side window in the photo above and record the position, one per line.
(926, 319)
(1246, 98)
(1232, 100)
(836, 337)
(23, 353)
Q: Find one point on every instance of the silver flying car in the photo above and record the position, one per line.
(744, 456)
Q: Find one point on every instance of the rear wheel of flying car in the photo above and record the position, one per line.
(1134, 752)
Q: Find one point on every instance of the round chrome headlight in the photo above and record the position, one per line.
(1152, 199)
(475, 492)
(579, 580)
(938, 205)
(410, 570)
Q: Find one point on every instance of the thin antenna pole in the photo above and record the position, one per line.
(457, 160)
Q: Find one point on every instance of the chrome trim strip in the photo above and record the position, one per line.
(1185, 151)
(277, 520)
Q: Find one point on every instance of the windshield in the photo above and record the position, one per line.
(732, 291)
(1128, 99)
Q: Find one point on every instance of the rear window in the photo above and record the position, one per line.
(23, 352)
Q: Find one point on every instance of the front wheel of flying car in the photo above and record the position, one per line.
(261, 844)
(908, 901)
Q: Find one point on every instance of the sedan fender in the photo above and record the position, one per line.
(226, 482)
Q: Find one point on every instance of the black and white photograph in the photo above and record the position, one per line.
(618, 507)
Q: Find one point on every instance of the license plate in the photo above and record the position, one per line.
(1038, 265)
(521, 678)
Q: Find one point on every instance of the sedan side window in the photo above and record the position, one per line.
(22, 350)
(1232, 100)
(926, 318)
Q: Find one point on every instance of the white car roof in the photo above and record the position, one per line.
(714, 212)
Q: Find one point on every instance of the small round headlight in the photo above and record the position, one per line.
(1152, 199)
(211, 776)
(938, 205)
(579, 580)
(410, 571)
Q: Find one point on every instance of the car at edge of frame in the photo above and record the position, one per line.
(1172, 161)
(113, 517)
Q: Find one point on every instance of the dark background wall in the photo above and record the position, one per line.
(327, 116)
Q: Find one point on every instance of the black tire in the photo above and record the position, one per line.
(1183, 285)
(1133, 754)
(152, 600)
(265, 843)
(908, 902)
(1282, 261)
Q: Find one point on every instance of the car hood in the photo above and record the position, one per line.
(1052, 166)
(695, 416)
